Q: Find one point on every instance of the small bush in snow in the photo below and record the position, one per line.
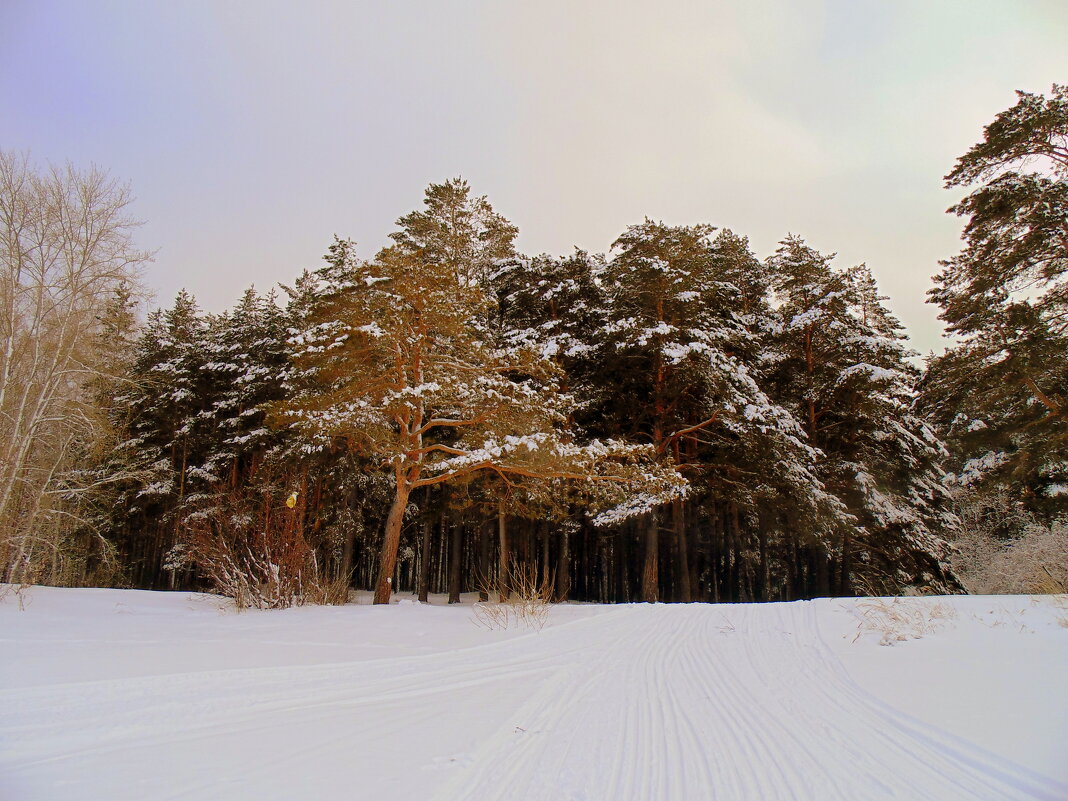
(260, 557)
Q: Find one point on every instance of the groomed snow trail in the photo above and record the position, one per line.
(736, 703)
(694, 702)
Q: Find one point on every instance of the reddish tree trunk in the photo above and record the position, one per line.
(506, 554)
(387, 559)
(651, 571)
(484, 580)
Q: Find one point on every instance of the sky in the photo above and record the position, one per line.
(252, 131)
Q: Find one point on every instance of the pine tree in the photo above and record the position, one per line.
(244, 367)
(158, 410)
(845, 371)
(676, 371)
(401, 368)
(247, 361)
(555, 305)
(90, 488)
(688, 422)
(458, 232)
(764, 494)
(999, 391)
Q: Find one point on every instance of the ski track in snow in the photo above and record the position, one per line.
(706, 711)
(735, 703)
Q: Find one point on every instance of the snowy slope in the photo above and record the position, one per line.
(108, 694)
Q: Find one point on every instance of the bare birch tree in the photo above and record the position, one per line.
(66, 252)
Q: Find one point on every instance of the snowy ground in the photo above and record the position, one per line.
(108, 694)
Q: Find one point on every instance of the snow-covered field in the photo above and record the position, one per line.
(110, 694)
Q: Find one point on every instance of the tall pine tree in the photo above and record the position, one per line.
(999, 391)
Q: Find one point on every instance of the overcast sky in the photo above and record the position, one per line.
(253, 131)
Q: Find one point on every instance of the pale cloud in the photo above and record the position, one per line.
(253, 131)
(834, 120)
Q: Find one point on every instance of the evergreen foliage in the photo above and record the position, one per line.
(998, 393)
(675, 420)
(844, 372)
(459, 233)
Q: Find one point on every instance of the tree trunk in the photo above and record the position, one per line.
(584, 564)
(484, 580)
(506, 555)
(424, 564)
(678, 519)
(764, 581)
(823, 572)
(546, 572)
(844, 589)
(736, 554)
(391, 542)
(651, 569)
(563, 568)
(797, 576)
(443, 539)
(350, 543)
(456, 554)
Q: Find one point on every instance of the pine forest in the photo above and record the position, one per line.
(678, 419)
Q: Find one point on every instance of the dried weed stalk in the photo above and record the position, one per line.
(901, 619)
(525, 604)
